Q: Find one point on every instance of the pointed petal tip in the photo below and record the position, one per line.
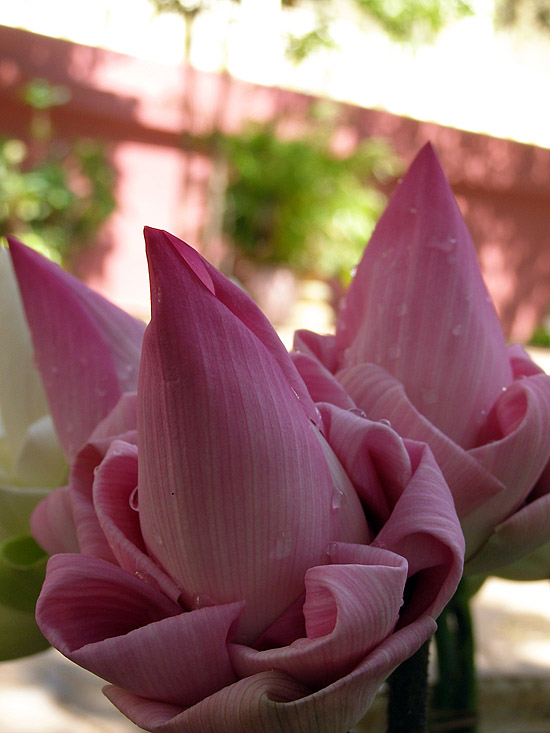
(426, 163)
(158, 240)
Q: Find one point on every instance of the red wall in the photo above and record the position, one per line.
(142, 109)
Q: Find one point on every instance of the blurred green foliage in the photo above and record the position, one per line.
(540, 336)
(295, 200)
(416, 20)
(54, 195)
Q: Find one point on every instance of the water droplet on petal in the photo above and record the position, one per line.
(443, 245)
(353, 271)
(338, 499)
(331, 549)
(357, 411)
(196, 602)
(134, 500)
(283, 546)
(385, 421)
(505, 389)
(458, 329)
(394, 352)
(429, 396)
(295, 393)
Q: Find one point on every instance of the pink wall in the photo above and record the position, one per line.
(142, 109)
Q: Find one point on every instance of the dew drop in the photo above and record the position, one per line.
(283, 546)
(338, 499)
(295, 393)
(196, 602)
(429, 396)
(331, 549)
(353, 271)
(357, 411)
(385, 421)
(505, 389)
(134, 500)
(96, 469)
(458, 329)
(138, 575)
(394, 352)
(443, 245)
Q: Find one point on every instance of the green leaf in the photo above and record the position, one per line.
(22, 572)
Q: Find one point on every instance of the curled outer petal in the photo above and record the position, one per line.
(409, 503)
(272, 701)
(149, 644)
(349, 609)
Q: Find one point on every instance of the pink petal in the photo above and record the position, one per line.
(232, 475)
(115, 482)
(86, 349)
(272, 701)
(349, 610)
(382, 396)
(131, 635)
(423, 528)
(242, 306)
(516, 450)
(179, 660)
(52, 523)
(522, 534)
(323, 348)
(85, 600)
(321, 384)
(91, 538)
(521, 363)
(121, 420)
(408, 502)
(419, 308)
(374, 457)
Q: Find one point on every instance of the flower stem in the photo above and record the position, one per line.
(455, 694)
(408, 694)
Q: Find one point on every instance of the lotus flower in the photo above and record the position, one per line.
(32, 463)
(418, 342)
(244, 554)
